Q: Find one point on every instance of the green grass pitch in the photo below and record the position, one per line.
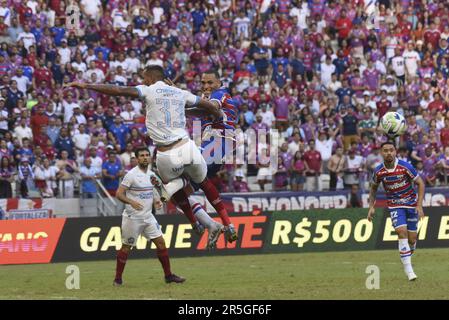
(326, 275)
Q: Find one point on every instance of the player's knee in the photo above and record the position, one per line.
(126, 248)
(160, 243)
(402, 234)
(412, 239)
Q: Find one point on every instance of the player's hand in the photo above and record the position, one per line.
(78, 85)
(420, 211)
(136, 205)
(371, 213)
(158, 204)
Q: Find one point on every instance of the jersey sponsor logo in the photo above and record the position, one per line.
(397, 185)
(178, 169)
(145, 195)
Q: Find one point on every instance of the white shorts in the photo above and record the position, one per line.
(133, 228)
(185, 159)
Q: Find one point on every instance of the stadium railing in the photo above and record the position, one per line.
(106, 205)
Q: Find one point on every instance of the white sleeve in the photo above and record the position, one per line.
(141, 90)
(190, 98)
(127, 180)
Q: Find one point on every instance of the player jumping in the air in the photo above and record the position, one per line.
(177, 154)
(137, 192)
(405, 206)
(218, 135)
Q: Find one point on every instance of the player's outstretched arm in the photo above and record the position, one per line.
(209, 108)
(421, 189)
(372, 201)
(109, 89)
(196, 112)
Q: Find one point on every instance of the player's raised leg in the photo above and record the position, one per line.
(212, 195)
(171, 162)
(214, 228)
(197, 171)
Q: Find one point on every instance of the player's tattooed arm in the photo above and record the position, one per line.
(108, 89)
(372, 201)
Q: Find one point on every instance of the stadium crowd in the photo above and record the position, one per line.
(321, 72)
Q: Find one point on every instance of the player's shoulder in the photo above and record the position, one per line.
(405, 164)
(220, 94)
(131, 173)
(150, 173)
(378, 168)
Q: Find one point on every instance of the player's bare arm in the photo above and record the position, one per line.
(372, 201)
(121, 195)
(109, 89)
(421, 188)
(195, 112)
(203, 108)
(201, 112)
(209, 108)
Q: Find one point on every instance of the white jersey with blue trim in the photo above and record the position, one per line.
(165, 111)
(140, 189)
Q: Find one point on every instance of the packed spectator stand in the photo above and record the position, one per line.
(320, 72)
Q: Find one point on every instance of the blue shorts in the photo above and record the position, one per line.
(404, 217)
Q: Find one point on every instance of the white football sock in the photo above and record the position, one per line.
(201, 214)
(406, 255)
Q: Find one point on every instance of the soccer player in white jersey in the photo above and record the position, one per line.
(177, 154)
(137, 192)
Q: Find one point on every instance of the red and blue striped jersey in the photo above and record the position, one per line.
(230, 112)
(218, 135)
(398, 184)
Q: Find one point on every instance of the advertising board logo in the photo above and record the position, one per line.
(29, 241)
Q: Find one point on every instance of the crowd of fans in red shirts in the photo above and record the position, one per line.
(320, 72)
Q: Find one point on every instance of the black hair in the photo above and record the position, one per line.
(140, 149)
(156, 70)
(388, 142)
(214, 72)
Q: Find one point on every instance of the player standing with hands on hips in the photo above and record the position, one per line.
(404, 204)
(137, 192)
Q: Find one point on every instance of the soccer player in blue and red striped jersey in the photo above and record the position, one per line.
(399, 178)
(217, 143)
(218, 140)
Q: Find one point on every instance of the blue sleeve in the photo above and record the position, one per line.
(411, 171)
(218, 96)
(375, 178)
